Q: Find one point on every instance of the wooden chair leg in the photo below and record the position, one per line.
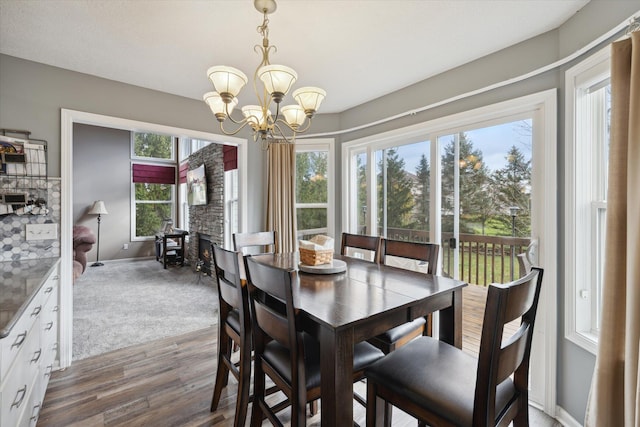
(376, 408)
(313, 407)
(242, 402)
(258, 396)
(222, 373)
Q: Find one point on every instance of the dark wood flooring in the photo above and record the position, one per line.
(169, 382)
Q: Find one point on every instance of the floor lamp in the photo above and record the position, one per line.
(98, 208)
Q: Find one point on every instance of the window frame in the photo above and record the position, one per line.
(142, 160)
(134, 201)
(584, 184)
(320, 144)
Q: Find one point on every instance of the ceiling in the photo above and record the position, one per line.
(357, 50)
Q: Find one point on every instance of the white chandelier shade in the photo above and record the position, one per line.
(227, 80)
(294, 115)
(217, 105)
(309, 98)
(255, 115)
(277, 79)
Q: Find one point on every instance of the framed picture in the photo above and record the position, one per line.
(197, 186)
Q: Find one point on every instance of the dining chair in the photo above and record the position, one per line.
(255, 242)
(415, 251)
(442, 386)
(284, 352)
(361, 241)
(234, 325)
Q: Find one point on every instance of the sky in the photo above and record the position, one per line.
(494, 142)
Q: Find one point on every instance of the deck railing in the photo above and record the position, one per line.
(483, 259)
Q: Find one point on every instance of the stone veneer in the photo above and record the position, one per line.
(208, 219)
(13, 243)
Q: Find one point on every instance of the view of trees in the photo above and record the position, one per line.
(486, 195)
(311, 187)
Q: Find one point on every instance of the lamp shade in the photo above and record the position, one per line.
(227, 80)
(255, 115)
(277, 79)
(218, 107)
(309, 98)
(294, 115)
(98, 208)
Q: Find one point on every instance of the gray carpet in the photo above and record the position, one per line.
(130, 302)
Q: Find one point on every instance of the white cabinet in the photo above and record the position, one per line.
(28, 354)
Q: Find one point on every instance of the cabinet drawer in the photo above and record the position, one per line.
(24, 373)
(13, 343)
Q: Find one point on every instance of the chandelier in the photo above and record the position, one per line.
(277, 81)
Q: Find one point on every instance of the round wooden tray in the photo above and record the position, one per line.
(336, 266)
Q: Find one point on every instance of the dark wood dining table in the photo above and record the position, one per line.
(367, 299)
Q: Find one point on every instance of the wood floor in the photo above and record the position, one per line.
(169, 382)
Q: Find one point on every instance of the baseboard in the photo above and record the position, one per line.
(565, 418)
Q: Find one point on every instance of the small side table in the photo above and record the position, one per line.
(170, 242)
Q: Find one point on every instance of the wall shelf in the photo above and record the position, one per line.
(23, 173)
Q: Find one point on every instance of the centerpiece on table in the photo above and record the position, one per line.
(317, 251)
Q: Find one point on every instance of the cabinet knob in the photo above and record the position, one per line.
(48, 290)
(36, 356)
(49, 326)
(36, 311)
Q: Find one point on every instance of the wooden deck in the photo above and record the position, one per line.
(169, 382)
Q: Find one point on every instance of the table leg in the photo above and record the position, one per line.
(336, 368)
(451, 321)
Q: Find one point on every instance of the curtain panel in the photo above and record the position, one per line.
(615, 392)
(281, 198)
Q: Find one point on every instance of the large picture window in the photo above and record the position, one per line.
(588, 126)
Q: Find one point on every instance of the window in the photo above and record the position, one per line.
(314, 188)
(153, 183)
(231, 207)
(588, 124)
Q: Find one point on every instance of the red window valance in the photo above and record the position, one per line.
(154, 174)
(230, 157)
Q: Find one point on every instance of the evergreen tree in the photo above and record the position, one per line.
(513, 189)
(362, 192)
(400, 202)
(422, 196)
(311, 187)
(476, 200)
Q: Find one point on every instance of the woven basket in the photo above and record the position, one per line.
(311, 257)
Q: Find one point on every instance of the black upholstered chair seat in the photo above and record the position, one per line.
(278, 356)
(397, 333)
(437, 376)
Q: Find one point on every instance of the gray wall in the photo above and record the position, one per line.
(32, 95)
(102, 171)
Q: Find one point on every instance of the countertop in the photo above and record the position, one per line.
(20, 281)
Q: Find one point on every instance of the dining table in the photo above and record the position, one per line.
(366, 299)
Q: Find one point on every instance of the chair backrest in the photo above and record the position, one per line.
(500, 358)
(273, 313)
(232, 293)
(255, 242)
(427, 252)
(361, 241)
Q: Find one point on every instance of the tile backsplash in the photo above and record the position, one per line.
(13, 243)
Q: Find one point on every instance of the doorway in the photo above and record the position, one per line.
(68, 119)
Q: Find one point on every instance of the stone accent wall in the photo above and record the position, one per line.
(208, 219)
(13, 243)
